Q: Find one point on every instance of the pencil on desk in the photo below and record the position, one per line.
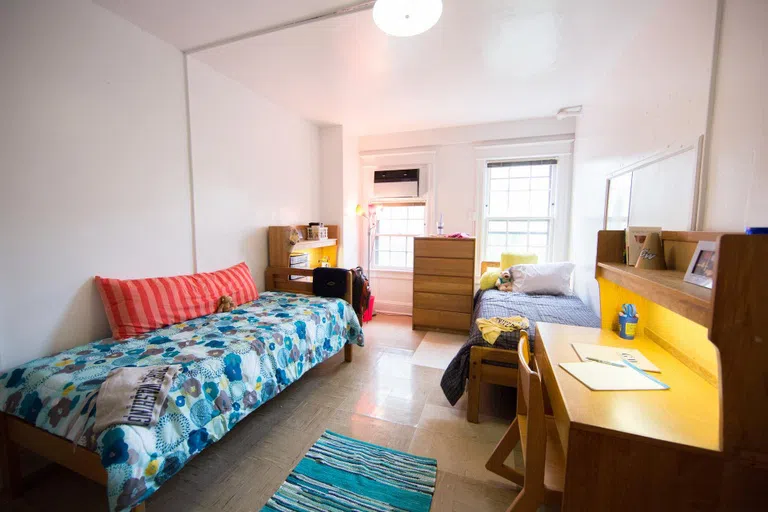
(596, 360)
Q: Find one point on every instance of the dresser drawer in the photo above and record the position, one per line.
(443, 302)
(443, 284)
(442, 248)
(441, 320)
(444, 266)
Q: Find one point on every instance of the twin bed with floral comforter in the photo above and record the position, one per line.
(231, 364)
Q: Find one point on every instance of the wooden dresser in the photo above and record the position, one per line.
(443, 283)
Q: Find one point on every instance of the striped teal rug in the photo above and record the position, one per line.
(343, 474)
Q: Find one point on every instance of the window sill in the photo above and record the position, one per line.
(404, 274)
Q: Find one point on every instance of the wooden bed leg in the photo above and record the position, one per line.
(348, 353)
(10, 462)
(475, 371)
(141, 507)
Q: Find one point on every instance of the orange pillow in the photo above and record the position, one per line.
(136, 306)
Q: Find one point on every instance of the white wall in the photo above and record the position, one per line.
(96, 177)
(255, 164)
(92, 153)
(449, 159)
(738, 164)
(352, 226)
(340, 190)
(332, 170)
(655, 94)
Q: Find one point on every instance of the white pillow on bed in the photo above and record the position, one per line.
(542, 278)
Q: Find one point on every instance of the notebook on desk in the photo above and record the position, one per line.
(606, 377)
(617, 354)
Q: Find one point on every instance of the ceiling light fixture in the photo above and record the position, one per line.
(405, 18)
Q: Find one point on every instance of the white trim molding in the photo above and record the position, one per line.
(390, 307)
(391, 273)
(379, 153)
(402, 158)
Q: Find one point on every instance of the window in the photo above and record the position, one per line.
(519, 208)
(396, 225)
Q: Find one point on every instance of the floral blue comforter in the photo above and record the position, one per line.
(231, 364)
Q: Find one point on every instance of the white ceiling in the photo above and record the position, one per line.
(485, 60)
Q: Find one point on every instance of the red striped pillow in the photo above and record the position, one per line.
(136, 306)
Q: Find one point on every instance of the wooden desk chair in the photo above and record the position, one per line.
(543, 455)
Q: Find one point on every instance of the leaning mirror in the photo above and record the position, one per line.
(662, 190)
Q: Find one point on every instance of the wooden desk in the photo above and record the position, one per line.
(632, 450)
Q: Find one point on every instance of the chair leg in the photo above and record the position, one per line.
(10, 462)
(525, 502)
(505, 446)
(475, 371)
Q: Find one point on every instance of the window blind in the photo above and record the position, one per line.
(520, 163)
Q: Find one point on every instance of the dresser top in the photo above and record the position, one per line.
(438, 237)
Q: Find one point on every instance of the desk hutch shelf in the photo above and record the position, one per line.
(664, 287)
(279, 274)
(280, 247)
(314, 244)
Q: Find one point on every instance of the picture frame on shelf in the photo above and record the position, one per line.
(701, 270)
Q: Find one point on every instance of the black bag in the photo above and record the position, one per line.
(329, 282)
(361, 292)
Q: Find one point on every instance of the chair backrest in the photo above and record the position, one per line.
(529, 390)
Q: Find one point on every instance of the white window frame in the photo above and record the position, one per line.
(422, 158)
(384, 202)
(558, 147)
(487, 218)
(550, 219)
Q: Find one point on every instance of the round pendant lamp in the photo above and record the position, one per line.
(404, 18)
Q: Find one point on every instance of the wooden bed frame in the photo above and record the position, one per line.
(16, 433)
(480, 371)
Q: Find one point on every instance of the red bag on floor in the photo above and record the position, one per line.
(368, 314)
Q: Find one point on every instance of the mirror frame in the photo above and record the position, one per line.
(670, 152)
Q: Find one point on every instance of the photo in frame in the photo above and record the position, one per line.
(701, 270)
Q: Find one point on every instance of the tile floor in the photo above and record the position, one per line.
(437, 349)
(381, 397)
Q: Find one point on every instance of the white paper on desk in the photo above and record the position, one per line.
(615, 354)
(605, 377)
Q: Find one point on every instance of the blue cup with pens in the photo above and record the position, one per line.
(628, 321)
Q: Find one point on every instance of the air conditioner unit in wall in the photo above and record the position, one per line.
(396, 183)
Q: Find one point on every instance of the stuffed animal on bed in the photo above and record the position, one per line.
(226, 304)
(504, 282)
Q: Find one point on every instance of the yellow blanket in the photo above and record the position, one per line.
(491, 328)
